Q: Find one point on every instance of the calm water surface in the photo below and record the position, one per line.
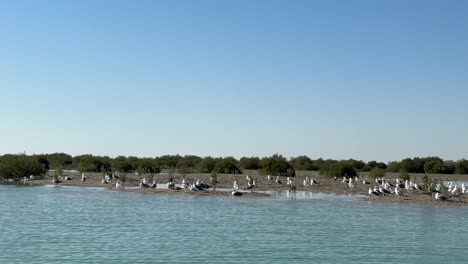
(47, 224)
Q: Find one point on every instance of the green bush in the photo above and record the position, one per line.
(338, 169)
(19, 166)
(377, 173)
(277, 165)
(227, 165)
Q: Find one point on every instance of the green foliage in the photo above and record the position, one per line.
(374, 164)
(90, 163)
(168, 161)
(227, 165)
(188, 163)
(437, 165)
(252, 163)
(377, 172)
(59, 160)
(404, 175)
(394, 166)
(338, 169)
(121, 164)
(214, 180)
(428, 183)
(461, 167)
(206, 165)
(58, 172)
(357, 164)
(123, 178)
(277, 165)
(19, 166)
(147, 165)
(303, 163)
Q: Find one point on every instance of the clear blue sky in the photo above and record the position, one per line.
(368, 80)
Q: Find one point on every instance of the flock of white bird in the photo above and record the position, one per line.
(382, 187)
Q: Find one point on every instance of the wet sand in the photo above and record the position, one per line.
(225, 181)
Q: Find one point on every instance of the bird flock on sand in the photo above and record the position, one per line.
(382, 186)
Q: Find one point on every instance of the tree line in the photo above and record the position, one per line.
(20, 165)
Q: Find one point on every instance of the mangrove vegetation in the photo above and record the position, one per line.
(15, 166)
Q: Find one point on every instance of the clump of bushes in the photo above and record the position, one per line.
(19, 166)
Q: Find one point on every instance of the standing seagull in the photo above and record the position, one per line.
(278, 180)
(235, 185)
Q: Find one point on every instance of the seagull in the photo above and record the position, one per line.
(269, 178)
(154, 185)
(68, 178)
(312, 181)
(306, 183)
(372, 192)
(236, 193)
(397, 191)
(235, 185)
(117, 185)
(144, 185)
(351, 184)
(437, 196)
(384, 191)
(56, 180)
(417, 186)
(251, 185)
(278, 180)
(83, 177)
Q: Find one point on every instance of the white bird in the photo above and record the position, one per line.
(351, 184)
(383, 190)
(437, 196)
(373, 192)
(463, 188)
(117, 185)
(236, 193)
(397, 191)
(278, 180)
(269, 178)
(235, 185)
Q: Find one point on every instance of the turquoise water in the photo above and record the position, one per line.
(47, 224)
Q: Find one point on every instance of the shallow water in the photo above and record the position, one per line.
(48, 224)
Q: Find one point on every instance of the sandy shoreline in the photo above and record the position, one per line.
(225, 181)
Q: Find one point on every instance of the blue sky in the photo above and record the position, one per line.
(381, 80)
